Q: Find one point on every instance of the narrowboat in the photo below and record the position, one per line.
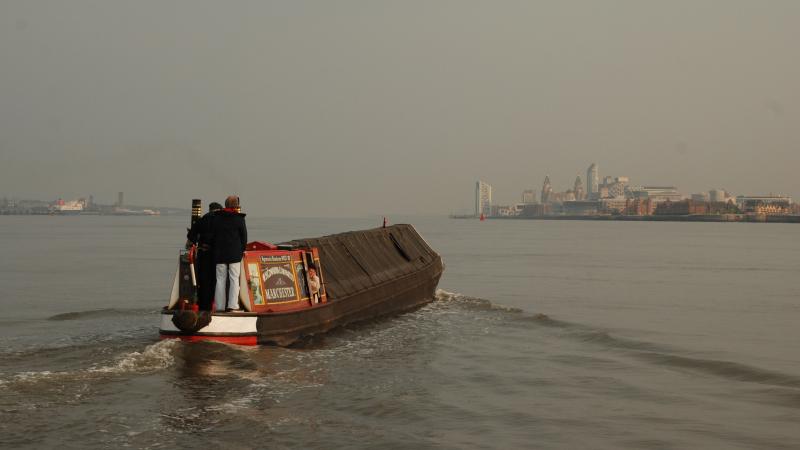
(364, 275)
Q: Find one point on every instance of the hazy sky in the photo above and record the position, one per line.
(320, 108)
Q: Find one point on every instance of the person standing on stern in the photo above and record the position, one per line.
(200, 234)
(230, 239)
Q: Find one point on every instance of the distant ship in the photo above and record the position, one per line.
(70, 207)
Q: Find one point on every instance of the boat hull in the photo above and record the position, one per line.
(283, 328)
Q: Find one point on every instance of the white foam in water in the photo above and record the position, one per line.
(441, 294)
(154, 357)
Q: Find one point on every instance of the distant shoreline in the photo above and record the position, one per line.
(685, 218)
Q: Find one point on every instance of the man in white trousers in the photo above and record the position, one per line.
(230, 239)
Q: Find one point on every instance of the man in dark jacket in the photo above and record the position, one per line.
(230, 239)
(205, 269)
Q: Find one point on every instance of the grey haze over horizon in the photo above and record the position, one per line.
(314, 108)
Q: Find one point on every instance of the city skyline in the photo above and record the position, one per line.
(615, 193)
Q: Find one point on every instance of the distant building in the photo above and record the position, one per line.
(656, 194)
(613, 187)
(507, 211)
(592, 181)
(483, 198)
(120, 198)
(681, 208)
(547, 190)
(529, 196)
(717, 195)
(728, 207)
(638, 207)
(613, 205)
(765, 204)
(701, 197)
(580, 193)
(537, 210)
(693, 207)
(616, 189)
(581, 208)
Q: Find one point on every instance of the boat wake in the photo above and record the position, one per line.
(473, 302)
(101, 314)
(152, 358)
(649, 352)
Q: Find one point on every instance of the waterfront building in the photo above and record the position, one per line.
(765, 204)
(656, 194)
(581, 208)
(507, 211)
(547, 190)
(728, 207)
(483, 198)
(537, 210)
(701, 197)
(528, 196)
(592, 181)
(638, 207)
(613, 205)
(681, 208)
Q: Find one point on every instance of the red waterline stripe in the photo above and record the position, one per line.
(240, 340)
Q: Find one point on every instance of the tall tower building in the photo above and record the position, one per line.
(592, 181)
(580, 194)
(120, 198)
(483, 198)
(547, 190)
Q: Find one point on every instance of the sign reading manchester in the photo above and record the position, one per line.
(278, 282)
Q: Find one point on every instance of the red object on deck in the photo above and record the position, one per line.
(260, 245)
(483, 217)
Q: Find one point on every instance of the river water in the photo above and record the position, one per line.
(544, 334)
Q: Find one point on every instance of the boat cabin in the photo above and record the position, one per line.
(275, 278)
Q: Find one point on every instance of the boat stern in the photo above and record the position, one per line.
(232, 328)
